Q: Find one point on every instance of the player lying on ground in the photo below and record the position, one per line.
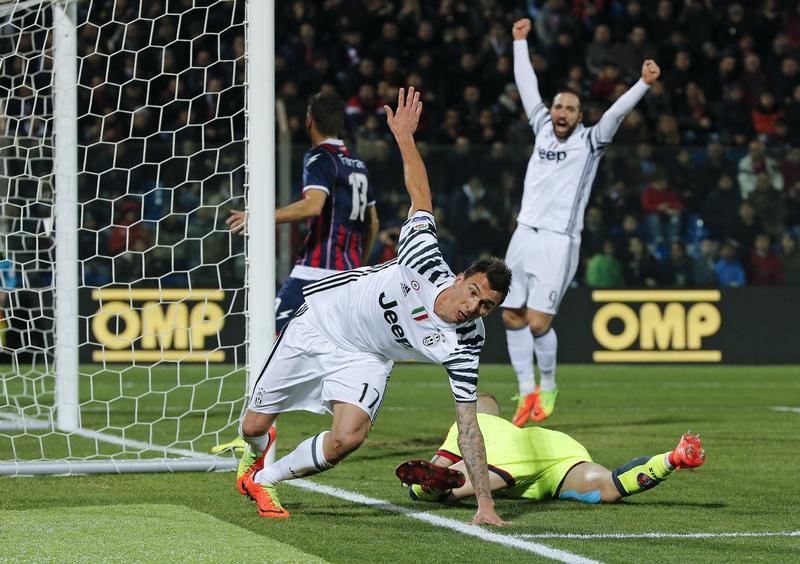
(337, 352)
(535, 463)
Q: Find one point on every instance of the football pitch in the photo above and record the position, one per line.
(740, 506)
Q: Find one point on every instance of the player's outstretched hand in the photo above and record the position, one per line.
(237, 222)
(521, 29)
(403, 122)
(487, 516)
(650, 72)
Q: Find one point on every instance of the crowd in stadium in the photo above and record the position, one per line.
(702, 184)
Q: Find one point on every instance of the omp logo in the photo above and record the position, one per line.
(655, 325)
(548, 155)
(150, 325)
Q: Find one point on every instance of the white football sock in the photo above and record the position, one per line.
(546, 346)
(257, 444)
(305, 460)
(520, 350)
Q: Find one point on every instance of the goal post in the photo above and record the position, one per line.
(65, 172)
(127, 133)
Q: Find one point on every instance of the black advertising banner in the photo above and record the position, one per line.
(147, 325)
(728, 326)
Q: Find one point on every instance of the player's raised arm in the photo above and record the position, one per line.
(403, 123)
(473, 452)
(607, 126)
(524, 75)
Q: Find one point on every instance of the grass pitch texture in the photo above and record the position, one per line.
(748, 485)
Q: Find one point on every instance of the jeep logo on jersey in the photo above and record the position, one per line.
(548, 155)
(431, 339)
(391, 318)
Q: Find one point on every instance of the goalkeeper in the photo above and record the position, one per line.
(536, 464)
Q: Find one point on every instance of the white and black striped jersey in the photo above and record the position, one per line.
(560, 173)
(389, 309)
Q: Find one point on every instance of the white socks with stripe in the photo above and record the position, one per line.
(257, 444)
(520, 350)
(307, 459)
(545, 346)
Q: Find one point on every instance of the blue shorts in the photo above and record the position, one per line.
(290, 297)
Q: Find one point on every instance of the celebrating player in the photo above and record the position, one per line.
(543, 252)
(338, 203)
(337, 352)
(537, 464)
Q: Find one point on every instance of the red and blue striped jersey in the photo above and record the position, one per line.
(335, 237)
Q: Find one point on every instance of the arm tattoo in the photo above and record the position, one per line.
(473, 451)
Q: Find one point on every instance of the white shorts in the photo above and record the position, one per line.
(305, 371)
(543, 263)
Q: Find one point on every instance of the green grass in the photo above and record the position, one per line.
(749, 483)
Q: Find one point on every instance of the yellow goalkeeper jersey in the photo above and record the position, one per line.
(533, 461)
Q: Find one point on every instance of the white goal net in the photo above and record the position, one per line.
(123, 137)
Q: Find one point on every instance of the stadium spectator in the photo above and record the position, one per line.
(733, 27)
(684, 176)
(601, 50)
(766, 115)
(764, 268)
(768, 205)
(538, 464)
(735, 123)
(594, 232)
(604, 270)
(641, 269)
(338, 353)
(664, 208)
(630, 228)
(694, 116)
(662, 22)
(721, 208)
(678, 271)
(790, 260)
(554, 196)
(715, 165)
(341, 232)
(730, 273)
(790, 168)
(704, 272)
(745, 228)
(635, 50)
(755, 162)
(698, 20)
(793, 207)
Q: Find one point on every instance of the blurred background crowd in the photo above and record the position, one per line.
(701, 186)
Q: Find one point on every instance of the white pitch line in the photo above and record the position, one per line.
(785, 409)
(25, 423)
(597, 536)
(458, 526)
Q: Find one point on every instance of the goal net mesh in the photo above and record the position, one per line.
(161, 147)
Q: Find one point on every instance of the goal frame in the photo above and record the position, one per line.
(260, 280)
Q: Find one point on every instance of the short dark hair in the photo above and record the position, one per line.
(327, 111)
(496, 270)
(569, 90)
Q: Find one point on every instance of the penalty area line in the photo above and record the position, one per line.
(511, 541)
(598, 536)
